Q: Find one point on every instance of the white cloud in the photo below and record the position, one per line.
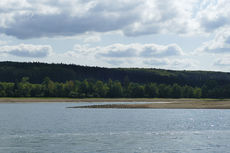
(3, 42)
(130, 50)
(115, 55)
(222, 62)
(115, 62)
(172, 63)
(49, 18)
(219, 45)
(156, 62)
(13, 5)
(165, 16)
(118, 51)
(92, 39)
(27, 50)
(128, 55)
(153, 50)
(214, 14)
(68, 18)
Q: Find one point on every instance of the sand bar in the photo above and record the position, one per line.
(173, 105)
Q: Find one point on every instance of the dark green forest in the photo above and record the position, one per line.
(62, 80)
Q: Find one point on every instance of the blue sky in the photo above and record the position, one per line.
(169, 34)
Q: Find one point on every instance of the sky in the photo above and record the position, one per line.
(167, 34)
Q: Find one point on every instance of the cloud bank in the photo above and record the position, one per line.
(214, 15)
(140, 50)
(219, 45)
(26, 19)
(222, 62)
(27, 50)
(33, 19)
(131, 50)
(132, 55)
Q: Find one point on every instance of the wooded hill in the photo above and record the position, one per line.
(14, 71)
(61, 80)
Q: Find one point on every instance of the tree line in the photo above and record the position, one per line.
(110, 89)
(11, 71)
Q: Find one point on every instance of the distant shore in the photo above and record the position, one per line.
(158, 103)
(51, 99)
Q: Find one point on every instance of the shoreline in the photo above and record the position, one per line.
(54, 99)
(171, 105)
(51, 99)
(154, 103)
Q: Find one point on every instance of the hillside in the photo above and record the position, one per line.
(12, 71)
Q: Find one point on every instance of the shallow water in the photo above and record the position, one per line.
(51, 127)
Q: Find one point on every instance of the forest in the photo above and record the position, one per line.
(61, 80)
(110, 89)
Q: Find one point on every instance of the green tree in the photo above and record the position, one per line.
(151, 90)
(100, 89)
(84, 89)
(9, 89)
(48, 87)
(115, 89)
(197, 92)
(187, 91)
(176, 91)
(36, 90)
(136, 90)
(165, 91)
(2, 90)
(24, 88)
(68, 88)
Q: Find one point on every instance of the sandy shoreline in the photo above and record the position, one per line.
(5, 100)
(153, 103)
(172, 105)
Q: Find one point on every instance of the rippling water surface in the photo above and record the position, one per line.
(51, 127)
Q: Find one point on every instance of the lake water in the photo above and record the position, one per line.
(53, 128)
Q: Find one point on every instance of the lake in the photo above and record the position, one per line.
(53, 128)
